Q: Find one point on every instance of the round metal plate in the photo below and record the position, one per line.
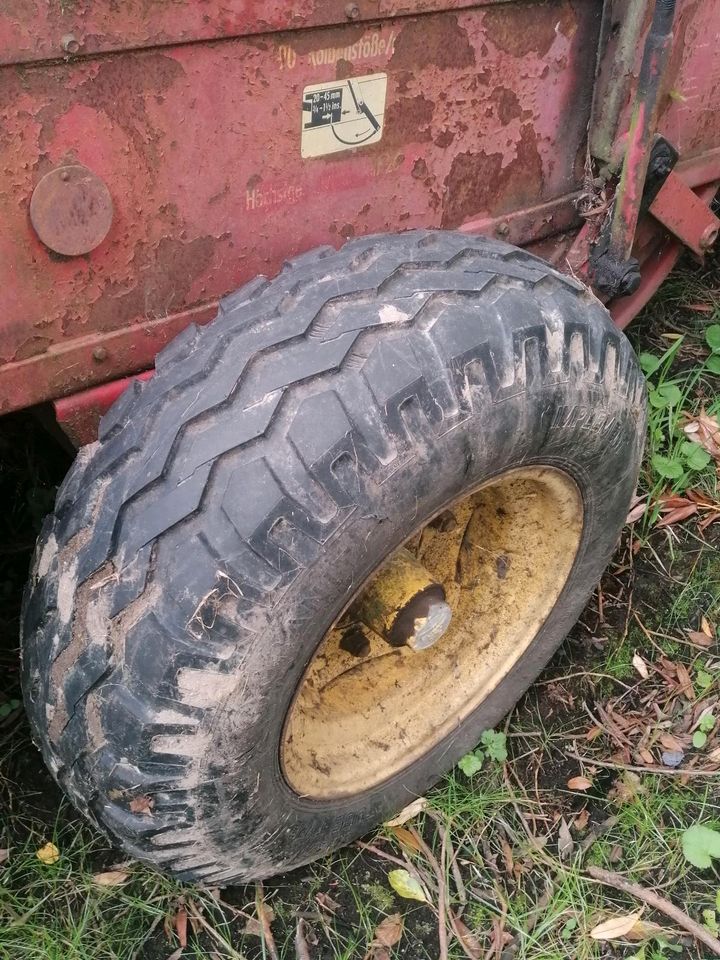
(71, 210)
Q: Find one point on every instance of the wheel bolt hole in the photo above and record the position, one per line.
(355, 643)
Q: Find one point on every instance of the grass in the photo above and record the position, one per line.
(513, 842)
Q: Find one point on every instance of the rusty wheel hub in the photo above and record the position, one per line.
(432, 633)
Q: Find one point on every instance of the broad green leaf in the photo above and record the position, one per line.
(406, 886)
(710, 921)
(700, 844)
(671, 392)
(567, 930)
(670, 469)
(696, 457)
(712, 364)
(707, 722)
(699, 739)
(717, 899)
(658, 400)
(712, 336)
(649, 363)
(704, 679)
(471, 762)
(495, 744)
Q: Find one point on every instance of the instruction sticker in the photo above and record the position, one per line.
(342, 114)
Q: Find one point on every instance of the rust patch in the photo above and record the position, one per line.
(344, 69)
(478, 181)
(408, 120)
(444, 139)
(419, 170)
(540, 25)
(446, 45)
(164, 273)
(120, 93)
(506, 104)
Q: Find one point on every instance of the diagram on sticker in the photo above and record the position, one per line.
(342, 114)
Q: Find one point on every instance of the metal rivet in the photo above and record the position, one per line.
(352, 11)
(100, 354)
(70, 43)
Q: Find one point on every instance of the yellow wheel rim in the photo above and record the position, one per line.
(364, 709)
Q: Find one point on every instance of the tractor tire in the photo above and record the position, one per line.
(192, 670)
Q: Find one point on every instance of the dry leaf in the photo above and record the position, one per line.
(626, 787)
(647, 930)
(686, 687)
(142, 805)
(176, 954)
(388, 933)
(705, 430)
(640, 666)
(593, 733)
(326, 902)
(110, 878)
(671, 742)
(468, 940)
(582, 819)
(707, 628)
(4, 854)
(579, 783)
(406, 838)
(701, 639)
(48, 854)
(507, 855)
(408, 812)
(637, 511)
(406, 886)
(677, 515)
(376, 952)
(566, 844)
(252, 927)
(616, 927)
(180, 921)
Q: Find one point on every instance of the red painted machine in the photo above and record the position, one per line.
(189, 130)
(156, 157)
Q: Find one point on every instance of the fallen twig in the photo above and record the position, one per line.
(442, 891)
(264, 920)
(302, 951)
(651, 768)
(653, 899)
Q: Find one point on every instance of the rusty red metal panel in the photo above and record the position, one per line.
(199, 145)
(32, 30)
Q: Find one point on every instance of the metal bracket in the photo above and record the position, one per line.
(620, 276)
(685, 215)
